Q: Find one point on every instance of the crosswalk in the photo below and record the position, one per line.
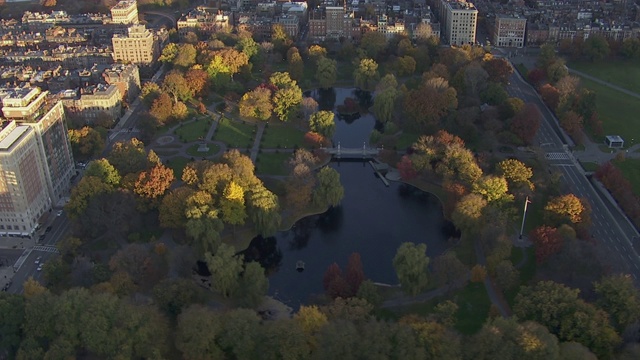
(51, 249)
(557, 156)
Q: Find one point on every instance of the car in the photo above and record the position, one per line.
(40, 267)
(48, 229)
(41, 237)
(59, 213)
(38, 259)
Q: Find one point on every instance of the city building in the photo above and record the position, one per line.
(290, 24)
(509, 31)
(126, 78)
(94, 101)
(125, 12)
(139, 46)
(460, 21)
(202, 21)
(45, 115)
(23, 188)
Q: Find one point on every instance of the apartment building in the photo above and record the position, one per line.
(126, 78)
(125, 12)
(34, 108)
(460, 20)
(509, 31)
(203, 21)
(139, 46)
(23, 188)
(93, 102)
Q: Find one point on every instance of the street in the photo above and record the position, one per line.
(611, 229)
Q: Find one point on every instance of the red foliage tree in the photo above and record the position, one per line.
(536, 76)
(339, 287)
(526, 122)
(315, 140)
(355, 273)
(613, 179)
(572, 123)
(499, 70)
(406, 169)
(333, 272)
(550, 95)
(595, 124)
(547, 241)
(446, 139)
(454, 191)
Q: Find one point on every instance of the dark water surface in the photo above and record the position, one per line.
(372, 220)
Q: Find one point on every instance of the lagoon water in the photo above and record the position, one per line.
(373, 220)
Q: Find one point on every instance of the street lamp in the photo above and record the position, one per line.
(524, 216)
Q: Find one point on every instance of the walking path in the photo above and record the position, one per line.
(605, 83)
(256, 142)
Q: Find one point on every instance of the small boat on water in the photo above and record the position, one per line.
(300, 266)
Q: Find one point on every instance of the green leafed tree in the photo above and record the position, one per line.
(286, 102)
(410, 263)
(225, 267)
(366, 74)
(197, 333)
(493, 188)
(384, 104)
(263, 210)
(618, 296)
(185, 57)
(516, 173)
(103, 170)
(329, 190)
(253, 285)
(232, 204)
(326, 72)
(323, 123)
(256, 104)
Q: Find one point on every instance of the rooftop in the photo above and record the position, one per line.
(13, 136)
(123, 4)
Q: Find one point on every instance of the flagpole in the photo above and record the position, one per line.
(524, 216)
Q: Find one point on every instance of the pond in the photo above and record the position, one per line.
(373, 220)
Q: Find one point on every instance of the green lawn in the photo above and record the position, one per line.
(631, 170)
(618, 111)
(473, 308)
(589, 166)
(194, 130)
(625, 74)
(522, 70)
(272, 163)
(406, 139)
(193, 150)
(177, 164)
(235, 134)
(281, 135)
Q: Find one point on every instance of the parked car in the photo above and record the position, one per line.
(59, 213)
(48, 229)
(38, 259)
(40, 267)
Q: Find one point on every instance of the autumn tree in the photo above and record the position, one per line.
(410, 264)
(300, 181)
(566, 207)
(186, 56)
(88, 188)
(334, 283)
(572, 123)
(550, 95)
(428, 104)
(296, 65)
(144, 267)
(169, 53)
(198, 81)
(175, 85)
(494, 189)
(287, 99)
(526, 122)
(173, 207)
(547, 241)
(128, 156)
(499, 70)
(354, 274)
(85, 142)
(373, 42)
(448, 270)
(366, 74)
(516, 173)
(309, 107)
(263, 210)
(326, 72)
(618, 296)
(232, 204)
(256, 104)
(152, 184)
(468, 212)
(103, 170)
(323, 123)
(329, 190)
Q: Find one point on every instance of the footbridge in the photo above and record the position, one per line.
(352, 153)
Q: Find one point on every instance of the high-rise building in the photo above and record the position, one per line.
(44, 117)
(23, 187)
(139, 46)
(460, 21)
(509, 31)
(125, 12)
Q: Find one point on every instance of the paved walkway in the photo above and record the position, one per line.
(256, 142)
(605, 83)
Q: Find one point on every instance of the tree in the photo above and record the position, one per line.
(253, 285)
(596, 48)
(286, 102)
(152, 184)
(566, 207)
(248, 46)
(498, 69)
(329, 190)
(423, 32)
(493, 189)
(557, 70)
(169, 53)
(162, 108)
(506, 275)
(448, 270)
(406, 169)
(510, 108)
(494, 94)
(179, 111)
(296, 65)
(546, 56)
(173, 208)
(366, 75)
(263, 210)
(547, 241)
(373, 42)
(475, 79)
(88, 188)
(175, 85)
(225, 267)
(256, 104)
(232, 204)
(572, 123)
(85, 142)
(240, 335)
(103, 170)
(174, 295)
(467, 213)
(369, 291)
(301, 181)
(516, 173)
(526, 122)
(550, 95)
(618, 296)
(316, 52)
(128, 156)
(227, 61)
(144, 267)
(197, 333)
(310, 319)
(410, 264)
(326, 72)
(384, 102)
(428, 104)
(198, 81)
(309, 107)
(405, 65)
(185, 57)
(12, 312)
(631, 48)
(323, 123)
(478, 273)
(355, 273)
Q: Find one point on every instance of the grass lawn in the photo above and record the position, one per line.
(589, 166)
(406, 139)
(193, 150)
(272, 163)
(165, 152)
(177, 164)
(522, 70)
(234, 133)
(631, 170)
(473, 308)
(194, 130)
(618, 112)
(284, 135)
(625, 74)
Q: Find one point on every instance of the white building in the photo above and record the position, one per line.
(125, 12)
(460, 20)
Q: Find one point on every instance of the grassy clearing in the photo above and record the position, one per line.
(589, 166)
(272, 163)
(194, 130)
(177, 164)
(625, 74)
(631, 170)
(193, 150)
(618, 111)
(522, 70)
(473, 308)
(281, 135)
(165, 152)
(235, 134)
(406, 139)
